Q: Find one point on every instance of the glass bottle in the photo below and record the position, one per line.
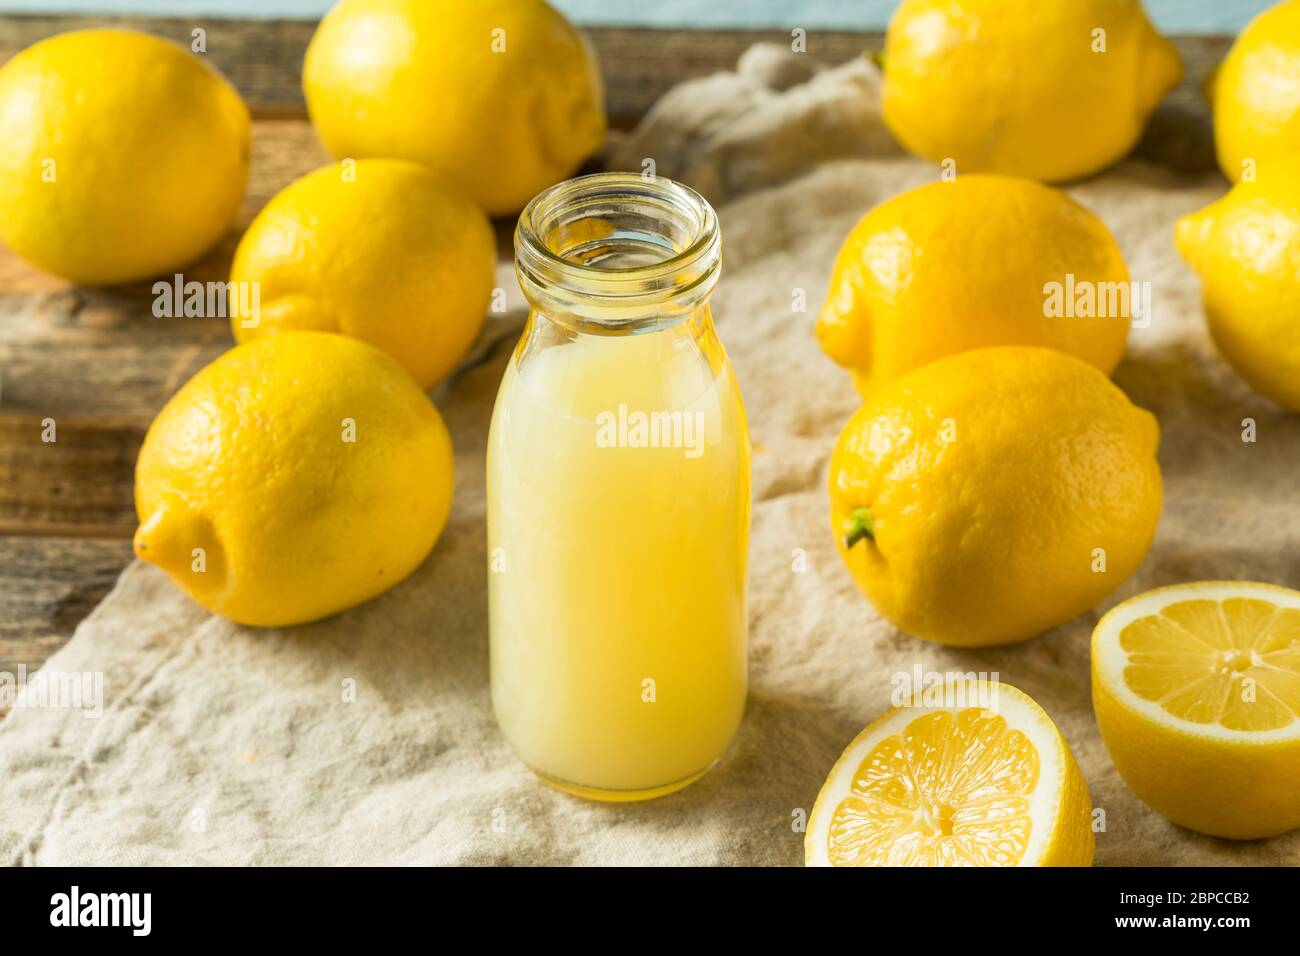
(618, 488)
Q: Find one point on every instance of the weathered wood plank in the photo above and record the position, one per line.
(79, 484)
(97, 354)
(47, 585)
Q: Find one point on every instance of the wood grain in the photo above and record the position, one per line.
(47, 586)
(79, 484)
(99, 364)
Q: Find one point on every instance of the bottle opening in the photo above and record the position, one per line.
(618, 250)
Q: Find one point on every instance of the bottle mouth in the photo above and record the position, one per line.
(618, 250)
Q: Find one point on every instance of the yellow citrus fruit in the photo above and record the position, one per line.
(1255, 93)
(994, 494)
(1246, 249)
(122, 156)
(380, 250)
(982, 260)
(502, 97)
(294, 477)
(1197, 693)
(982, 782)
(1052, 91)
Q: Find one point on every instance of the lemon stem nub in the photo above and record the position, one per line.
(860, 528)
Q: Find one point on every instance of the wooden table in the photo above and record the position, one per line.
(99, 364)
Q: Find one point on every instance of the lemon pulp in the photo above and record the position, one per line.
(1233, 662)
(950, 789)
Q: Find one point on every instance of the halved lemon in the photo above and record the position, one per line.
(1197, 693)
(993, 784)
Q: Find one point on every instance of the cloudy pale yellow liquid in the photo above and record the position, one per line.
(617, 578)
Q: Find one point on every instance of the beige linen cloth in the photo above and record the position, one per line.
(222, 744)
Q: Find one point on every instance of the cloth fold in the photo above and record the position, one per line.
(369, 737)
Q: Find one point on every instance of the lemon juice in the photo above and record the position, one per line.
(618, 500)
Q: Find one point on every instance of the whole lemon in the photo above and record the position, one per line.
(378, 249)
(1246, 249)
(982, 260)
(1049, 90)
(994, 494)
(122, 156)
(294, 477)
(502, 97)
(1255, 93)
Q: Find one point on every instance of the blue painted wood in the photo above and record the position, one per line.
(1171, 16)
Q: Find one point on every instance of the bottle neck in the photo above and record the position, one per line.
(616, 253)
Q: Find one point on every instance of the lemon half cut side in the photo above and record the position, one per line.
(955, 785)
(1196, 688)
